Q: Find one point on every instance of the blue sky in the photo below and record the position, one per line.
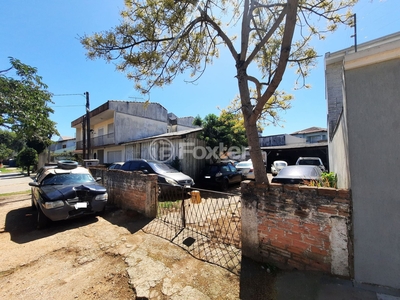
(44, 34)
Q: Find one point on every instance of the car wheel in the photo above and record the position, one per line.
(224, 185)
(42, 220)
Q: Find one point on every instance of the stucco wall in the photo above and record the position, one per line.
(129, 128)
(373, 105)
(297, 227)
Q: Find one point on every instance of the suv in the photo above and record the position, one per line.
(166, 173)
(313, 161)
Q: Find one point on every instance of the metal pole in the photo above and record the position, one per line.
(88, 125)
(84, 136)
(355, 32)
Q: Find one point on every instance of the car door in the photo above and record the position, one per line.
(236, 176)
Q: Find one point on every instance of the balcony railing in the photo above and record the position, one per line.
(107, 139)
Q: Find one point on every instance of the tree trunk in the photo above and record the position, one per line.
(251, 128)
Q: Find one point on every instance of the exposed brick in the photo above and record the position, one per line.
(325, 191)
(328, 209)
(341, 200)
(275, 231)
(345, 194)
(295, 264)
(344, 214)
(277, 258)
(294, 235)
(280, 251)
(290, 187)
(313, 241)
(319, 251)
(307, 189)
(314, 266)
(300, 258)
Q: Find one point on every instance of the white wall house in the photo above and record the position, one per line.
(312, 134)
(363, 96)
(116, 124)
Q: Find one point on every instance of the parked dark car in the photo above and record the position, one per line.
(297, 174)
(166, 173)
(65, 191)
(220, 175)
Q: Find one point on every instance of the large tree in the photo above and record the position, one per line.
(159, 39)
(24, 101)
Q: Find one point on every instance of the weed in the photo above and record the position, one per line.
(328, 179)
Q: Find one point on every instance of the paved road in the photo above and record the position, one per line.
(14, 182)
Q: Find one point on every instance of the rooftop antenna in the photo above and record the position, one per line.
(355, 32)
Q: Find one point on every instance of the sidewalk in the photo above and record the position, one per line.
(316, 286)
(15, 182)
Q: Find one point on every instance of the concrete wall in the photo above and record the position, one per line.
(304, 228)
(365, 142)
(130, 190)
(373, 106)
(154, 111)
(337, 124)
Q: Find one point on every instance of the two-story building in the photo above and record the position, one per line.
(123, 130)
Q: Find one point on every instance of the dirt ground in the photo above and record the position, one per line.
(108, 257)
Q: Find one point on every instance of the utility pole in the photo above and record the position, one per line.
(84, 136)
(88, 125)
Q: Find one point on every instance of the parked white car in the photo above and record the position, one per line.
(312, 161)
(246, 167)
(277, 165)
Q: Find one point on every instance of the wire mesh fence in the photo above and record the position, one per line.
(205, 223)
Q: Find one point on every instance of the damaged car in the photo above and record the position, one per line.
(66, 191)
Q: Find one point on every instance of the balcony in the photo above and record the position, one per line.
(107, 139)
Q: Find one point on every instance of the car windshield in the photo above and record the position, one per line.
(280, 164)
(313, 162)
(212, 169)
(244, 165)
(162, 168)
(297, 171)
(69, 178)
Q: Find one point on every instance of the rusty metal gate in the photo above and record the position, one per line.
(205, 223)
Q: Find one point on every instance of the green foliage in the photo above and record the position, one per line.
(24, 102)
(26, 158)
(4, 152)
(10, 144)
(328, 179)
(38, 143)
(225, 129)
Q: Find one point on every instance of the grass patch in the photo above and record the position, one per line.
(4, 170)
(16, 193)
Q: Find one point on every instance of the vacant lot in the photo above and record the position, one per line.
(107, 257)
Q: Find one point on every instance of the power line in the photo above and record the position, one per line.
(66, 105)
(83, 94)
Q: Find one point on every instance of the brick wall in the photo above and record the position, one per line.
(129, 190)
(298, 227)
